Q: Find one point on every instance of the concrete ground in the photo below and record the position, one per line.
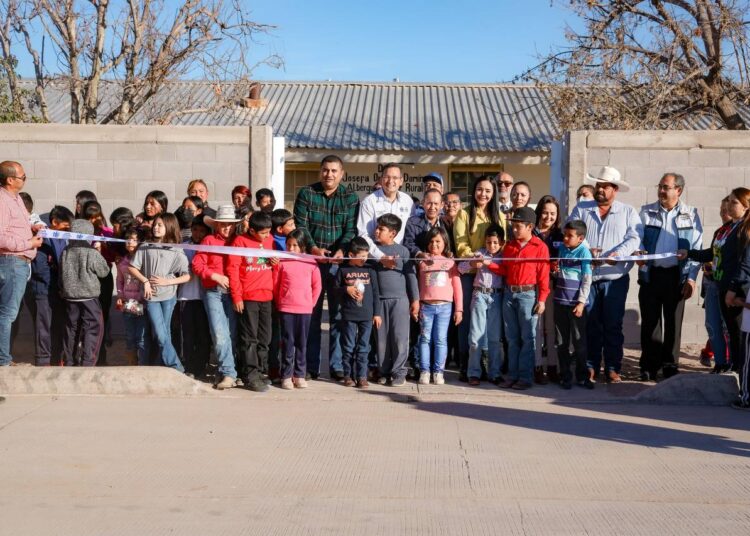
(435, 460)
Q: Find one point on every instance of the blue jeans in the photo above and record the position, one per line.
(137, 335)
(467, 285)
(14, 272)
(486, 320)
(355, 346)
(434, 319)
(160, 315)
(520, 331)
(222, 324)
(605, 310)
(715, 322)
(328, 277)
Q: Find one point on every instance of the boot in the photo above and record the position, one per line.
(131, 358)
(539, 376)
(552, 374)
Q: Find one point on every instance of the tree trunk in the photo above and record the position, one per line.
(729, 114)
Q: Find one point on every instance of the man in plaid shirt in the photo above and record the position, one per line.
(327, 213)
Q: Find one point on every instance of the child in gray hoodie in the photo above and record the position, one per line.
(81, 266)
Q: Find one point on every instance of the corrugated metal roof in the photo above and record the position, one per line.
(368, 116)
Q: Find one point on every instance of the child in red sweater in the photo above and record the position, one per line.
(526, 289)
(297, 287)
(251, 287)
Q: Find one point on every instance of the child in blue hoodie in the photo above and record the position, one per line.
(571, 294)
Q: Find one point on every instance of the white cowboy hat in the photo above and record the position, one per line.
(224, 214)
(610, 175)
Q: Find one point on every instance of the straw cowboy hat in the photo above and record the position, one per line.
(610, 175)
(224, 214)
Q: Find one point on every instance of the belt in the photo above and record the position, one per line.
(521, 288)
(486, 290)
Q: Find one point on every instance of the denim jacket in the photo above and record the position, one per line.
(687, 227)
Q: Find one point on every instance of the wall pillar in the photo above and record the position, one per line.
(261, 157)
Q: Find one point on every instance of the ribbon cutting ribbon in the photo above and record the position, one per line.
(266, 253)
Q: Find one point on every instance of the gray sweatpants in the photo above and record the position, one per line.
(393, 338)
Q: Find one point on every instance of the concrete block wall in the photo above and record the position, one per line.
(121, 164)
(712, 162)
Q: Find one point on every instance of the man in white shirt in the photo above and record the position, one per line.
(387, 200)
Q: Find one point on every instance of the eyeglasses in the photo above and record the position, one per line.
(506, 183)
(23, 177)
(665, 188)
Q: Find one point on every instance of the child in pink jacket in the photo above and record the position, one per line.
(297, 287)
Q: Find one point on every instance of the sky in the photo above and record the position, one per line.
(414, 41)
(410, 40)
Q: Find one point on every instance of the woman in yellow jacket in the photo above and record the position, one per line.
(468, 231)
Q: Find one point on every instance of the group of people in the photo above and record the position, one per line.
(513, 295)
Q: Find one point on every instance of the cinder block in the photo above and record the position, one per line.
(233, 153)
(67, 190)
(241, 173)
(597, 157)
(39, 188)
(117, 189)
(168, 187)
(204, 152)
(639, 174)
(725, 177)
(739, 157)
(77, 151)
(8, 151)
(214, 171)
(126, 151)
(166, 151)
(708, 157)
(41, 151)
(636, 197)
(178, 171)
(705, 196)
(54, 169)
(622, 158)
(668, 158)
(94, 169)
(135, 205)
(134, 169)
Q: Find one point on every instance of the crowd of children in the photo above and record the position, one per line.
(255, 310)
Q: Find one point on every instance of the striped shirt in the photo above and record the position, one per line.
(574, 275)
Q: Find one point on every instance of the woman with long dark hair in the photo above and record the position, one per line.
(548, 230)
(468, 231)
(155, 204)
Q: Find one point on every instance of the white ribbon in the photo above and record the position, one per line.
(267, 253)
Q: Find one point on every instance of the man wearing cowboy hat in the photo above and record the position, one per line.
(612, 231)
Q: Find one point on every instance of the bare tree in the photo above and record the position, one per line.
(113, 56)
(640, 64)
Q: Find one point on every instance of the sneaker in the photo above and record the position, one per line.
(286, 383)
(337, 375)
(382, 380)
(362, 383)
(474, 381)
(348, 382)
(438, 378)
(398, 382)
(739, 404)
(521, 385)
(539, 376)
(300, 383)
(258, 386)
(706, 360)
(239, 383)
(507, 384)
(424, 378)
(227, 382)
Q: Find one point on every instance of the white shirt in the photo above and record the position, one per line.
(375, 205)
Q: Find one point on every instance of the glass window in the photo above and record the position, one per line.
(462, 179)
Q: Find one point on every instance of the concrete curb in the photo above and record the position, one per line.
(148, 381)
(693, 389)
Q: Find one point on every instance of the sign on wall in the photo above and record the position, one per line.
(361, 178)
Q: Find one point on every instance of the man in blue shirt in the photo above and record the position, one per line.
(668, 225)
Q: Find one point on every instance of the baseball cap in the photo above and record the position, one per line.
(433, 176)
(525, 215)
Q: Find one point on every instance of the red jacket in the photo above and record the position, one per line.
(250, 278)
(207, 264)
(525, 273)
